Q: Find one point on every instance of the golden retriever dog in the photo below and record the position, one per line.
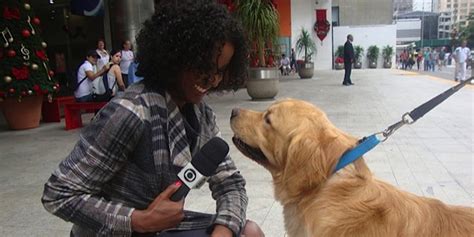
(300, 147)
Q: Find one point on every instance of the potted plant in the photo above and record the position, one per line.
(25, 77)
(387, 53)
(373, 55)
(306, 43)
(339, 62)
(358, 51)
(261, 22)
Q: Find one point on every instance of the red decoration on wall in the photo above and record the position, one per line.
(322, 25)
(11, 13)
(20, 73)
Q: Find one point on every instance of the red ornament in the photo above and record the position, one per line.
(2, 94)
(11, 13)
(41, 54)
(25, 33)
(11, 90)
(24, 93)
(20, 73)
(51, 73)
(11, 53)
(322, 25)
(36, 21)
(36, 88)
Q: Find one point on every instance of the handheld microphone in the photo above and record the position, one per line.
(203, 165)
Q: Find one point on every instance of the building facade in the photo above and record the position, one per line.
(363, 12)
(429, 21)
(408, 31)
(454, 15)
(402, 6)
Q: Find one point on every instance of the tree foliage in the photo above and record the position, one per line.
(24, 67)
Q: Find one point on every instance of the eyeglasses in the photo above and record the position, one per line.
(214, 78)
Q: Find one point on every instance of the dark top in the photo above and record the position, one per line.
(348, 52)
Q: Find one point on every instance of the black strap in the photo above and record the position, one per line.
(105, 80)
(421, 110)
(77, 86)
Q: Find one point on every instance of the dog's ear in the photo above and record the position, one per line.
(312, 157)
(307, 165)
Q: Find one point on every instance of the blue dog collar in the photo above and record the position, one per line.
(366, 144)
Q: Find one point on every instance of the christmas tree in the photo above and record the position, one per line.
(24, 67)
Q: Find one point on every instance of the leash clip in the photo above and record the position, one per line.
(406, 119)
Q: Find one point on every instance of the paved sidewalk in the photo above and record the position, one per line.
(433, 157)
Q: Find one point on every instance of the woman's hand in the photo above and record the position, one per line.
(221, 231)
(161, 214)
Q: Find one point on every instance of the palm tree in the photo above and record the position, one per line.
(261, 21)
(306, 43)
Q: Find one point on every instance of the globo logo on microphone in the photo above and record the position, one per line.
(191, 176)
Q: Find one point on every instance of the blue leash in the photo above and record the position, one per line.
(368, 143)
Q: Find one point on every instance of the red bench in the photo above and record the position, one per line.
(51, 111)
(72, 112)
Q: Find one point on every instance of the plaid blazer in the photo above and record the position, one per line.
(126, 157)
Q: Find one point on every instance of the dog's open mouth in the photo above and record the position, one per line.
(253, 153)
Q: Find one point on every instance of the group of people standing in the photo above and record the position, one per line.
(430, 58)
(104, 71)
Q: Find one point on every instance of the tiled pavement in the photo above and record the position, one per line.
(433, 157)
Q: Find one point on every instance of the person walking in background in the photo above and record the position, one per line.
(127, 58)
(461, 55)
(348, 59)
(119, 178)
(293, 60)
(442, 60)
(433, 59)
(404, 59)
(419, 59)
(426, 59)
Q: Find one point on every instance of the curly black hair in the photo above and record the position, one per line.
(186, 35)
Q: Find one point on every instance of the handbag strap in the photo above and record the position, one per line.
(77, 86)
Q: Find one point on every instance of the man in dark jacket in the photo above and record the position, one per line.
(348, 58)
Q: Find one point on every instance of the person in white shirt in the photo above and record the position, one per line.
(104, 55)
(461, 55)
(86, 74)
(285, 65)
(97, 85)
(127, 58)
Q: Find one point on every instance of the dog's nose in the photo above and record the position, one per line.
(234, 113)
